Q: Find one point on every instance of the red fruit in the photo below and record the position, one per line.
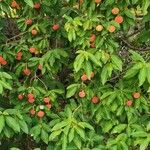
(84, 77)
(55, 27)
(112, 29)
(31, 100)
(32, 50)
(29, 21)
(40, 67)
(49, 106)
(1, 59)
(4, 62)
(46, 100)
(41, 114)
(18, 57)
(20, 96)
(95, 100)
(115, 10)
(136, 95)
(92, 45)
(119, 19)
(82, 94)
(14, 4)
(27, 72)
(98, 1)
(32, 111)
(34, 32)
(30, 96)
(37, 6)
(92, 38)
(129, 103)
(19, 54)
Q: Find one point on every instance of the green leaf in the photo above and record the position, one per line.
(148, 126)
(71, 135)
(1, 89)
(145, 5)
(139, 134)
(71, 90)
(86, 125)
(60, 125)
(78, 62)
(6, 85)
(104, 75)
(144, 145)
(117, 62)
(29, 2)
(136, 57)
(44, 136)
(80, 132)
(142, 76)
(6, 75)
(54, 134)
(119, 128)
(23, 126)
(88, 69)
(12, 123)
(77, 142)
(2, 122)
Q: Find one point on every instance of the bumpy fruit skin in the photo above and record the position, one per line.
(99, 28)
(29, 22)
(32, 111)
(40, 67)
(95, 100)
(30, 95)
(41, 114)
(111, 29)
(34, 32)
(2, 61)
(37, 6)
(84, 77)
(129, 103)
(31, 100)
(20, 96)
(136, 95)
(55, 27)
(32, 50)
(98, 1)
(119, 19)
(115, 11)
(19, 56)
(14, 4)
(27, 72)
(92, 38)
(46, 100)
(82, 94)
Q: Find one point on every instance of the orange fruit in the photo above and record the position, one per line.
(40, 67)
(55, 27)
(27, 72)
(41, 114)
(115, 11)
(46, 100)
(95, 100)
(32, 111)
(49, 106)
(34, 32)
(129, 103)
(32, 50)
(37, 6)
(82, 94)
(98, 1)
(4, 62)
(84, 77)
(136, 95)
(92, 38)
(20, 96)
(31, 100)
(111, 28)
(29, 21)
(119, 19)
(99, 28)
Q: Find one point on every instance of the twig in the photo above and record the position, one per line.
(76, 109)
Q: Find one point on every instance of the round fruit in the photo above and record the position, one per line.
(14, 4)
(40, 67)
(31, 100)
(119, 19)
(32, 50)
(92, 38)
(49, 106)
(20, 96)
(4, 62)
(30, 96)
(27, 72)
(111, 28)
(98, 1)
(32, 111)
(82, 94)
(92, 75)
(129, 103)
(92, 45)
(37, 6)
(29, 21)
(19, 54)
(99, 28)
(84, 77)
(115, 11)
(95, 100)
(46, 100)
(55, 27)
(34, 32)
(136, 95)
(1, 59)
(41, 114)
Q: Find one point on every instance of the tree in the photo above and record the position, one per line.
(75, 74)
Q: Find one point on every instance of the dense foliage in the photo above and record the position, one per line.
(75, 74)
